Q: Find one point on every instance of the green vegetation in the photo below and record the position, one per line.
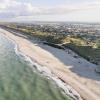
(84, 48)
(88, 52)
(98, 43)
(89, 49)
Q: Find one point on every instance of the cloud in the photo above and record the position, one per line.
(15, 8)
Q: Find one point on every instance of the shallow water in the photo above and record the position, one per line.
(18, 81)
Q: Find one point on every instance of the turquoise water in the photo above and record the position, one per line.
(18, 81)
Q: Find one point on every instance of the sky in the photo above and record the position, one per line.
(50, 10)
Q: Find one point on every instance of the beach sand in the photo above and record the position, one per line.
(77, 72)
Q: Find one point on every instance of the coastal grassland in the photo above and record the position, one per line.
(87, 52)
(90, 50)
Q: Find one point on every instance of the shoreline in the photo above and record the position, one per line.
(59, 72)
(68, 90)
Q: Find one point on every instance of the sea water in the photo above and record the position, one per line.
(19, 81)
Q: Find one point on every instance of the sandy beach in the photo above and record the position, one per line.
(76, 72)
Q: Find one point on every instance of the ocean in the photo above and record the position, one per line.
(19, 81)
